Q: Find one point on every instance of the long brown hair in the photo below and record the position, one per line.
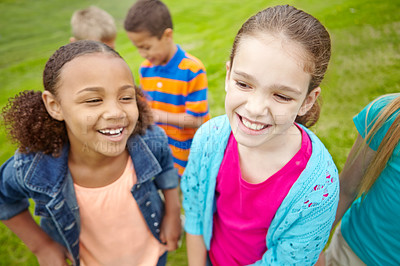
(386, 147)
(25, 116)
(295, 25)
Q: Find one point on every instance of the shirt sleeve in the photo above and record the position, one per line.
(196, 101)
(168, 178)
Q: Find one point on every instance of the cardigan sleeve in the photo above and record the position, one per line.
(190, 185)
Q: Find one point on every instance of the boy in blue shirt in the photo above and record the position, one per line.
(174, 81)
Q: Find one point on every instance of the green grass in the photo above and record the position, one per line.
(365, 61)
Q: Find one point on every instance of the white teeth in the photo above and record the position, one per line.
(252, 126)
(111, 131)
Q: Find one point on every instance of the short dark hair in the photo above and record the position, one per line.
(152, 16)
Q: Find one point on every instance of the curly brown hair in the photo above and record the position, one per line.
(300, 27)
(25, 116)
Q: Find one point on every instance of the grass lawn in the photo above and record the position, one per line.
(365, 61)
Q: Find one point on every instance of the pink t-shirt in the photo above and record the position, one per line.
(245, 210)
(113, 229)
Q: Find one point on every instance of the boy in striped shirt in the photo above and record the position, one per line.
(173, 81)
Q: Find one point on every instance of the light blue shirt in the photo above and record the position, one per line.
(302, 223)
(371, 228)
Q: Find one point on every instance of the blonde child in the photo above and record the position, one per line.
(175, 82)
(92, 163)
(260, 188)
(369, 233)
(95, 24)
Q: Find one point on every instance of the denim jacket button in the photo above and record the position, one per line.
(148, 203)
(69, 227)
(59, 205)
(157, 230)
(153, 215)
(137, 186)
(75, 243)
(155, 224)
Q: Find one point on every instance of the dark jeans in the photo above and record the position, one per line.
(162, 260)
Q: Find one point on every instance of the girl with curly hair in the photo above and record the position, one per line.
(93, 164)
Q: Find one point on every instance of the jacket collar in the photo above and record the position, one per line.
(47, 174)
(145, 163)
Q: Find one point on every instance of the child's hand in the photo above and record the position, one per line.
(171, 230)
(53, 254)
(171, 226)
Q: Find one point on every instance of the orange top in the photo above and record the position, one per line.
(113, 229)
(178, 87)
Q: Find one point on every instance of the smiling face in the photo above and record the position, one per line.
(96, 99)
(267, 88)
(157, 50)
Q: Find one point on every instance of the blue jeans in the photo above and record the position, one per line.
(162, 260)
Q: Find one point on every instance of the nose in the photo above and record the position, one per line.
(142, 53)
(113, 110)
(257, 105)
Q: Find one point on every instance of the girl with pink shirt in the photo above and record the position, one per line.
(260, 188)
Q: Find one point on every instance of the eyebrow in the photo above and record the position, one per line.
(286, 88)
(275, 86)
(96, 89)
(244, 75)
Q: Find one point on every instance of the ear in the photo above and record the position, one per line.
(53, 107)
(228, 73)
(72, 39)
(309, 101)
(168, 33)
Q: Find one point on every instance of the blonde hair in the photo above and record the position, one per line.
(386, 147)
(93, 23)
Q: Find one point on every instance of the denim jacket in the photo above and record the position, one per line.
(47, 181)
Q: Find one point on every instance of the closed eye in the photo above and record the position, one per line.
(127, 98)
(144, 48)
(95, 100)
(283, 97)
(242, 85)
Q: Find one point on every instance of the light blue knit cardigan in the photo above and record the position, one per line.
(301, 226)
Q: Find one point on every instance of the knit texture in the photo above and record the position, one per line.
(301, 226)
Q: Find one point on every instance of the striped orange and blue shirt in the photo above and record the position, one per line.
(180, 86)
